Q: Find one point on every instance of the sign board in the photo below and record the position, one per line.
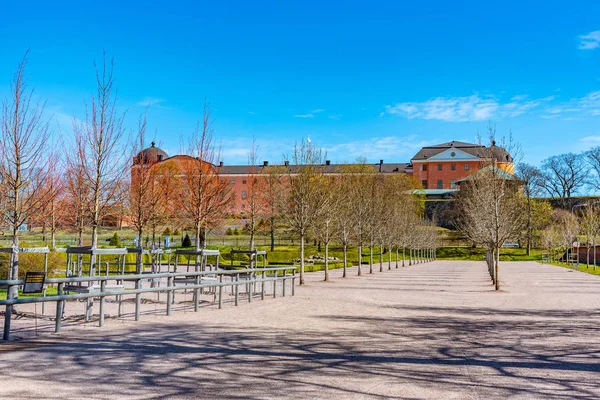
(34, 282)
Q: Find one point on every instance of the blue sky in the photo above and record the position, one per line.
(374, 79)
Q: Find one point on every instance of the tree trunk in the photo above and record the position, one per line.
(197, 235)
(403, 255)
(497, 261)
(272, 233)
(389, 259)
(371, 258)
(327, 262)
(345, 259)
(529, 233)
(252, 240)
(302, 259)
(380, 258)
(14, 267)
(359, 259)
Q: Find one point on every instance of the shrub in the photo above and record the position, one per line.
(176, 233)
(167, 232)
(229, 232)
(115, 240)
(237, 232)
(187, 242)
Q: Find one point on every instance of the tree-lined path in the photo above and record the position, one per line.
(435, 330)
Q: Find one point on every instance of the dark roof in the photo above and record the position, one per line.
(151, 154)
(477, 150)
(329, 169)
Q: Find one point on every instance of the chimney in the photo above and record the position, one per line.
(286, 163)
(380, 165)
(220, 163)
(327, 162)
(265, 163)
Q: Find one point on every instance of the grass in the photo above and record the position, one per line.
(478, 254)
(588, 269)
(51, 291)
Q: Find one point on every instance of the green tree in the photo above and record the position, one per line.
(187, 242)
(115, 240)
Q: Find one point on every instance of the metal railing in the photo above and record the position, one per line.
(214, 280)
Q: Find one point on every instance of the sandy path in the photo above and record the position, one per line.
(434, 330)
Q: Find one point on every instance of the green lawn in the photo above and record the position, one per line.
(478, 254)
(588, 269)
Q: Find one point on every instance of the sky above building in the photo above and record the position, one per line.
(376, 79)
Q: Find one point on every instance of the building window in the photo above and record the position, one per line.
(243, 181)
(440, 184)
(452, 184)
(439, 167)
(424, 167)
(424, 183)
(453, 167)
(466, 167)
(243, 195)
(232, 180)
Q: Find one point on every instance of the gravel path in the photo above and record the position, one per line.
(434, 330)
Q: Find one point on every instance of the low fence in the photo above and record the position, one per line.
(97, 287)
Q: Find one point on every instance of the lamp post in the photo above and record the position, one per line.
(573, 212)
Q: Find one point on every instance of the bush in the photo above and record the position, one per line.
(237, 232)
(176, 233)
(115, 240)
(229, 232)
(187, 242)
(167, 232)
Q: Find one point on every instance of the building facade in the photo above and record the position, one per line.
(438, 168)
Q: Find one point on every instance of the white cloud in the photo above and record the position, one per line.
(151, 101)
(467, 108)
(591, 140)
(586, 105)
(252, 113)
(310, 114)
(589, 41)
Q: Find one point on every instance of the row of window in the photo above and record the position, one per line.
(452, 167)
(440, 184)
(233, 181)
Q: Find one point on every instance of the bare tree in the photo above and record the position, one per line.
(255, 202)
(98, 147)
(360, 175)
(563, 176)
(325, 228)
(592, 157)
(274, 193)
(144, 193)
(491, 209)
(24, 166)
(204, 196)
(77, 198)
(48, 215)
(567, 228)
(344, 218)
(303, 202)
(531, 178)
(590, 224)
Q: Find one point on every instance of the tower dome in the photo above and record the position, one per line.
(150, 155)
